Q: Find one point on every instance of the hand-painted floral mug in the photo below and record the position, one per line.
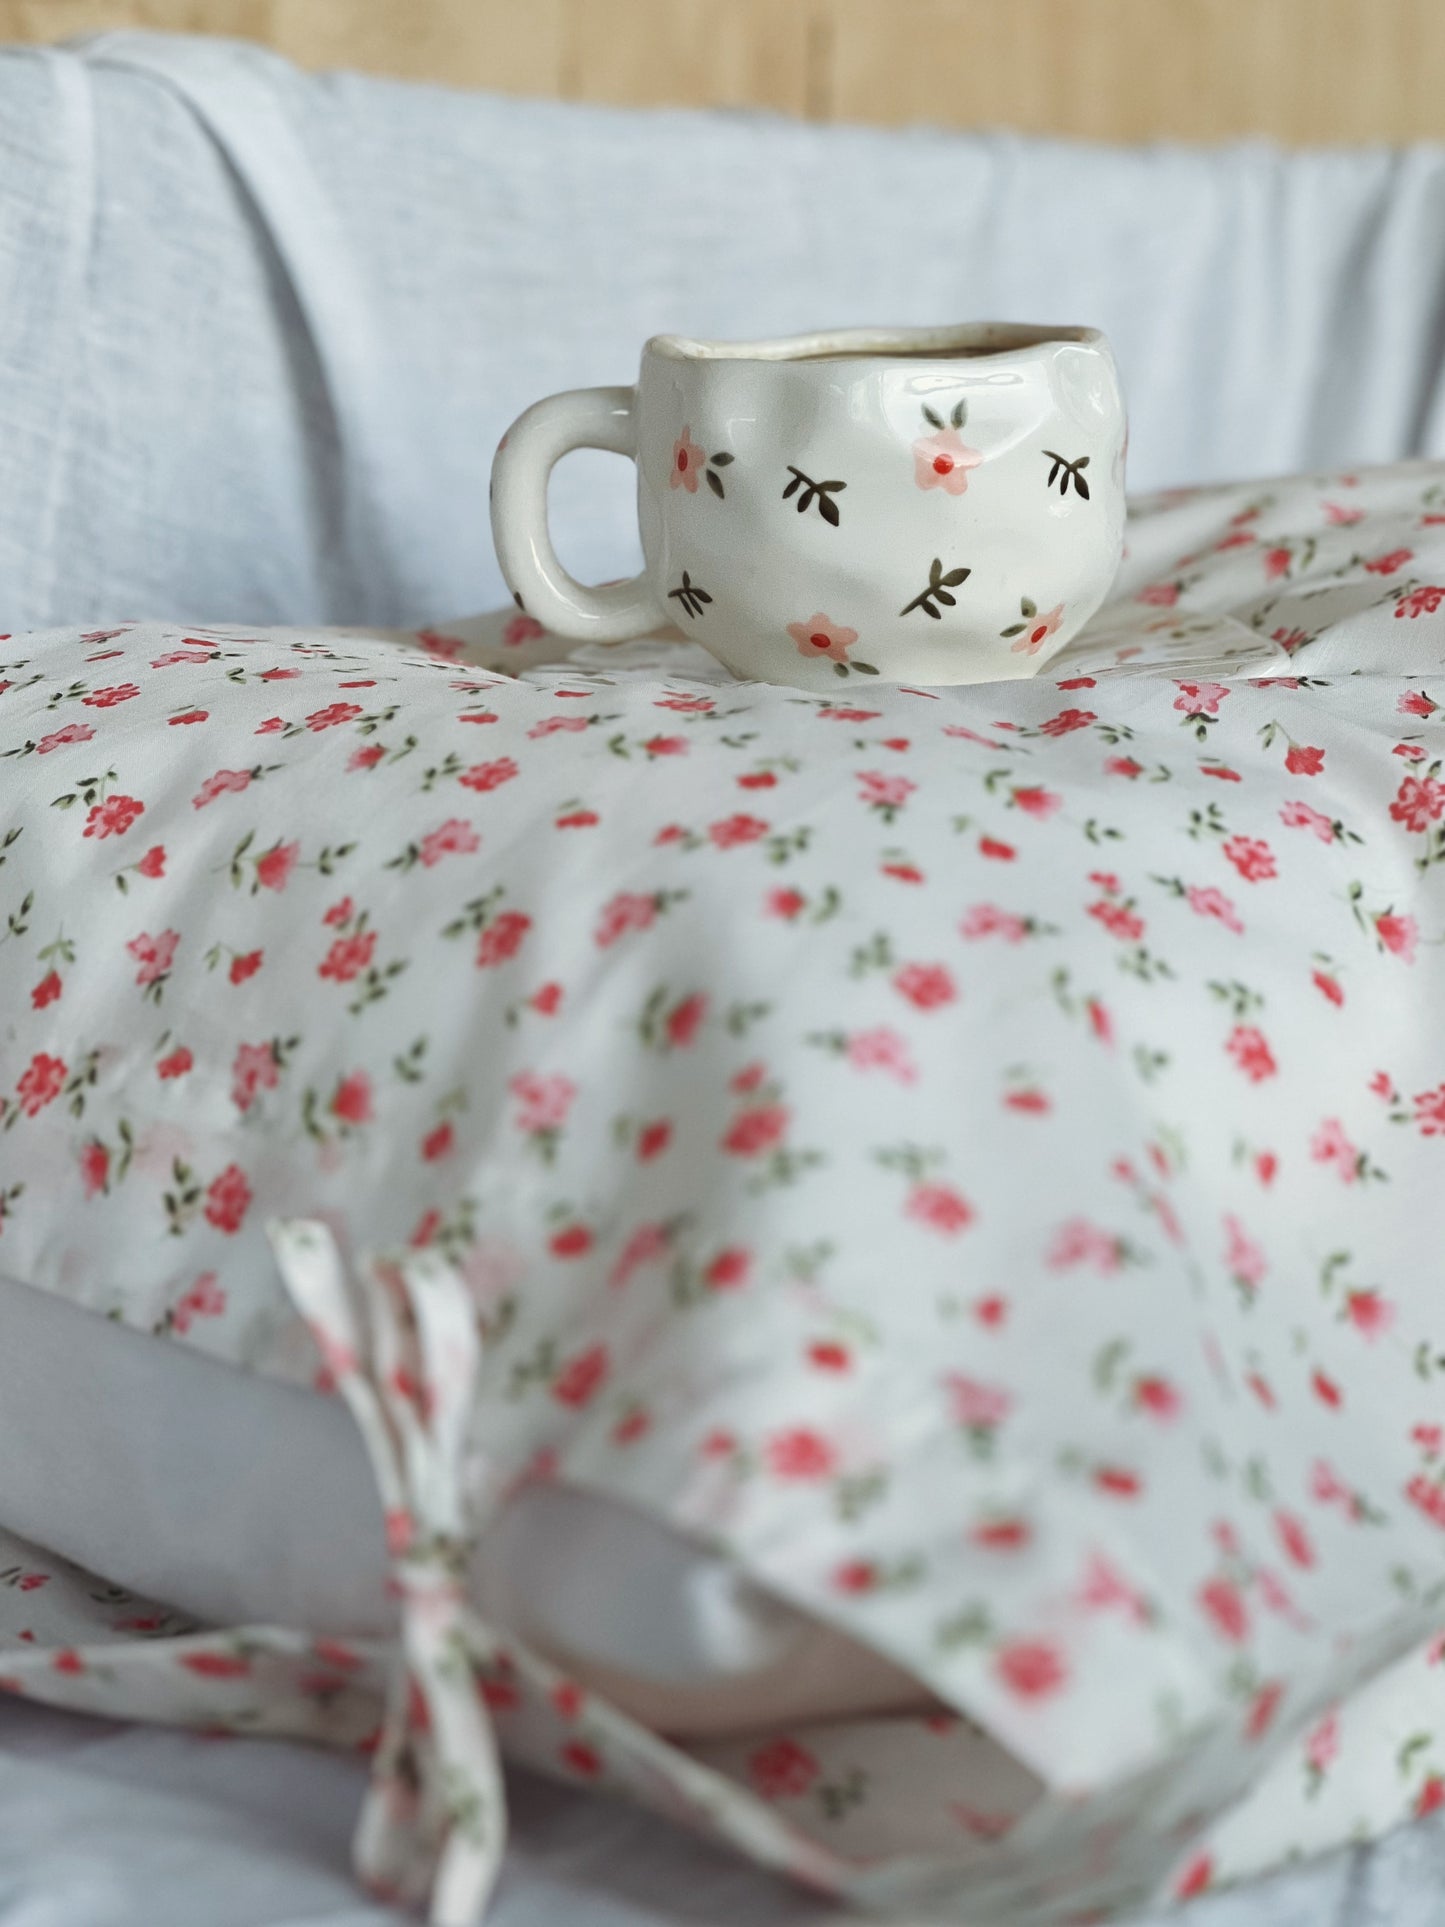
(938, 505)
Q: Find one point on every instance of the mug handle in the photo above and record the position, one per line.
(581, 418)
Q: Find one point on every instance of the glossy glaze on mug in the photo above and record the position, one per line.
(933, 506)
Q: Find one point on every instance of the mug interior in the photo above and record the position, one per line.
(970, 341)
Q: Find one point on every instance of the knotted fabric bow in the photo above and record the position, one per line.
(405, 1355)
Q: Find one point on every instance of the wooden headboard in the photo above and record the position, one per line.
(1300, 70)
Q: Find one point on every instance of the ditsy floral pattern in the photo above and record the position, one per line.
(969, 1152)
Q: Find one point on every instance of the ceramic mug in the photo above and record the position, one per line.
(936, 505)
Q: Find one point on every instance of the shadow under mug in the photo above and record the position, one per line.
(941, 505)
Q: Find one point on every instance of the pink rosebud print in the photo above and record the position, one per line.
(734, 830)
(175, 1064)
(153, 863)
(351, 1101)
(121, 692)
(760, 1128)
(1036, 801)
(1398, 935)
(154, 955)
(572, 1241)
(245, 966)
(1031, 1669)
(274, 866)
(1156, 1397)
(1430, 1112)
(786, 904)
(58, 738)
(1244, 1259)
(729, 1269)
(582, 1377)
(1419, 802)
(225, 782)
(856, 1576)
(228, 1199)
(975, 1405)
(1250, 1050)
(1200, 698)
(490, 776)
(821, 637)
(943, 460)
(1118, 919)
(988, 920)
(438, 1143)
(1077, 1242)
(94, 1168)
(882, 790)
(1123, 766)
(1413, 703)
(1427, 1497)
(1214, 903)
(547, 1001)
(1370, 1312)
(882, 1049)
(827, 1355)
(1223, 1605)
(41, 1083)
(1299, 816)
(1328, 987)
(939, 1207)
(544, 1103)
(1252, 857)
(47, 991)
(452, 838)
(1300, 760)
(1431, 1796)
(502, 939)
(801, 1454)
(348, 957)
(926, 986)
(1065, 723)
(782, 1770)
(996, 851)
(1159, 595)
(653, 1139)
(1423, 601)
(684, 1020)
(113, 817)
(688, 463)
(1196, 1879)
(367, 757)
(627, 911)
(253, 1070)
(205, 1299)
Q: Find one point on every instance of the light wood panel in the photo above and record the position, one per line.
(1301, 70)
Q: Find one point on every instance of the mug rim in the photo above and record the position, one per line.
(969, 341)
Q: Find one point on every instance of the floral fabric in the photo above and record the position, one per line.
(969, 1152)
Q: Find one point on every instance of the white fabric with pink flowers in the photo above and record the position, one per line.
(970, 1154)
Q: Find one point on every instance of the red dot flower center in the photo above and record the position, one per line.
(819, 640)
(682, 459)
(943, 464)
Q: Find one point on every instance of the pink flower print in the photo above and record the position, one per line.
(452, 838)
(729, 1269)
(995, 851)
(1251, 1052)
(245, 964)
(228, 1199)
(821, 637)
(882, 1049)
(626, 911)
(544, 1102)
(153, 863)
(1419, 802)
(1244, 1259)
(558, 726)
(521, 629)
(154, 955)
(41, 1083)
(274, 866)
(176, 1064)
(94, 1168)
(688, 463)
(1214, 903)
(1330, 1146)
(351, 1101)
(72, 733)
(1037, 631)
(582, 1377)
(1299, 816)
(801, 1454)
(348, 957)
(1413, 703)
(1033, 800)
(1196, 1879)
(189, 716)
(1200, 698)
(782, 1770)
(489, 776)
(1430, 1112)
(367, 757)
(1398, 934)
(926, 986)
(976, 1405)
(1080, 1243)
(942, 460)
(1423, 601)
(1295, 1539)
(1157, 1397)
(1328, 987)
(121, 692)
(502, 939)
(205, 1299)
(939, 1207)
(1342, 518)
(113, 817)
(1118, 919)
(254, 1070)
(1370, 1312)
(988, 920)
(1159, 595)
(758, 1129)
(572, 1241)
(1391, 563)
(225, 782)
(732, 831)
(883, 791)
(1065, 722)
(1276, 562)
(548, 1000)
(436, 643)
(1031, 1669)
(1253, 858)
(1223, 1605)
(46, 991)
(684, 1020)
(786, 904)
(1123, 766)
(438, 1144)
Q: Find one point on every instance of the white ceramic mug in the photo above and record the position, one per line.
(938, 505)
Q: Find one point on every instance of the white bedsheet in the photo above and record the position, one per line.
(110, 1826)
